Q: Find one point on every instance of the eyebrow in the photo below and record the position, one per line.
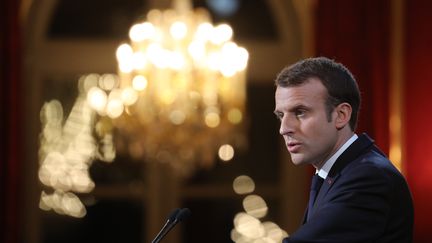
(296, 107)
(299, 106)
(293, 109)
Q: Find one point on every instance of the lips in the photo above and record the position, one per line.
(293, 147)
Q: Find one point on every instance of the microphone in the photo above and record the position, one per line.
(175, 216)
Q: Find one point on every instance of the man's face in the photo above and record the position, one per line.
(309, 135)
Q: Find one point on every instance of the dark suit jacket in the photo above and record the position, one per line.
(363, 199)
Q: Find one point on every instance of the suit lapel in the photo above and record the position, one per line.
(363, 143)
(354, 150)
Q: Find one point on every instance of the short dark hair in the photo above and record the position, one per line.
(338, 80)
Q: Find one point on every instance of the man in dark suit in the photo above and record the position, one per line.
(357, 195)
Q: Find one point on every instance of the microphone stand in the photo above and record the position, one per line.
(176, 216)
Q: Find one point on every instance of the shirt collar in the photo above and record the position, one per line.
(325, 169)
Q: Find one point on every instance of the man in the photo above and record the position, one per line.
(363, 197)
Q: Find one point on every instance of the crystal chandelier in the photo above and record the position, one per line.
(180, 96)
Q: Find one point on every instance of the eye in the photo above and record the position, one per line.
(300, 112)
(279, 115)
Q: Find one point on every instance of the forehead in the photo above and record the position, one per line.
(308, 93)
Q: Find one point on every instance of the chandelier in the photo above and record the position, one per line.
(179, 96)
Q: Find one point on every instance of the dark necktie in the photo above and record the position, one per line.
(315, 187)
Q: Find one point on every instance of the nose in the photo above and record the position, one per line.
(287, 126)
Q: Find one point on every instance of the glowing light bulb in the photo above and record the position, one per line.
(139, 60)
(141, 32)
(220, 34)
(124, 51)
(212, 119)
(139, 83)
(129, 96)
(97, 99)
(178, 30)
(197, 50)
(115, 108)
(204, 31)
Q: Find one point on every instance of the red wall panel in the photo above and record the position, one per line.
(418, 112)
(356, 33)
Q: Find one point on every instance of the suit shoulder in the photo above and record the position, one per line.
(374, 164)
(374, 160)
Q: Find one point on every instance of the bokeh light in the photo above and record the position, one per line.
(68, 146)
(243, 184)
(248, 227)
(255, 206)
(226, 152)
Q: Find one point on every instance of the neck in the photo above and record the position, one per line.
(344, 135)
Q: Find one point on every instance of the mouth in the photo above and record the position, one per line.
(293, 147)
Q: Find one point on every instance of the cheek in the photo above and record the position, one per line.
(325, 139)
(315, 128)
(319, 132)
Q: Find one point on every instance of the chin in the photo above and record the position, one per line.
(297, 161)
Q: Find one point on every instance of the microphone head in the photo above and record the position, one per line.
(183, 214)
(173, 215)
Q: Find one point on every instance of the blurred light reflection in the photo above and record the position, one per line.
(226, 152)
(248, 227)
(255, 206)
(68, 147)
(243, 184)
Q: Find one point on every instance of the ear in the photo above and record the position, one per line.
(343, 115)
